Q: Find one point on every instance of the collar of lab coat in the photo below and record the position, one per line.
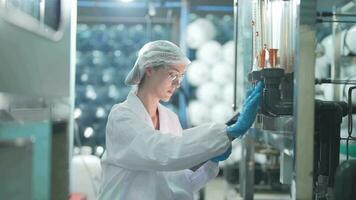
(138, 108)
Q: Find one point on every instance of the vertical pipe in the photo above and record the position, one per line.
(148, 19)
(334, 140)
(72, 70)
(335, 68)
(249, 167)
(304, 99)
(285, 41)
(184, 90)
(243, 63)
(42, 13)
(234, 106)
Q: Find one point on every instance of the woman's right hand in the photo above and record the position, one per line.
(248, 113)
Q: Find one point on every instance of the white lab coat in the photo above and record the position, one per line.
(143, 163)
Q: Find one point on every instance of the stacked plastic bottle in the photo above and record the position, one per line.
(105, 54)
(210, 39)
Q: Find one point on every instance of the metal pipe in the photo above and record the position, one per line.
(334, 21)
(350, 121)
(273, 57)
(117, 19)
(304, 97)
(184, 91)
(335, 69)
(331, 81)
(234, 105)
(331, 14)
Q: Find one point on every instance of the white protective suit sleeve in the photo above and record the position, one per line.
(133, 144)
(199, 178)
(185, 183)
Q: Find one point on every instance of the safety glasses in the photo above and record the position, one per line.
(175, 78)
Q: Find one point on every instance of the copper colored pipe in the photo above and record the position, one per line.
(262, 59)
(273, 57)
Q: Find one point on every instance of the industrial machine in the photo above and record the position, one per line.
(36, 98)
(275, 44)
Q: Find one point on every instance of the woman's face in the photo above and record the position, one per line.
(163, 81)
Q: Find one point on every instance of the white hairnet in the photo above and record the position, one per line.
(153, 54)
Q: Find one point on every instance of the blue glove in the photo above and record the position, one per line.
(248, 113)
(223, 156)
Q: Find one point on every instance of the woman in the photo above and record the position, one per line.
(148, 155)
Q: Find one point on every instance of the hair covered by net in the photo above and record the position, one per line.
(154, 54)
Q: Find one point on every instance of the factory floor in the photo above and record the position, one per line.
(217, 189)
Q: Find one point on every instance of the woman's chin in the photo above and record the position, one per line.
(166, 99)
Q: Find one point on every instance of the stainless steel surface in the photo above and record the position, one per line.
(274, 131)
(274, 23)
(35, 24)
(286, 167)
(32, 64)
(279, 124)
(278, 141)
(287, 37)
(293, 30)
(236, 33)
(243, 64)
(244, 38)
(336, 55)
(248, 168)
(37, 85)
(304, 99)
(257, 28)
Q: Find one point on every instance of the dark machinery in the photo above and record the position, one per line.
(277, 101)
(278, 92)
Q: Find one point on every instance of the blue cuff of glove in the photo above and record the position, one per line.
(214, 160)
(223, 156)
(233, 133)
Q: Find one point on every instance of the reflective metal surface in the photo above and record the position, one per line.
(34, 65)
(37, 99)
(287, 28)
(304, 99)
(31, 16)
(276, 132)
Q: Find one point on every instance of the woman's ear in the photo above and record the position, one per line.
(149, 71)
